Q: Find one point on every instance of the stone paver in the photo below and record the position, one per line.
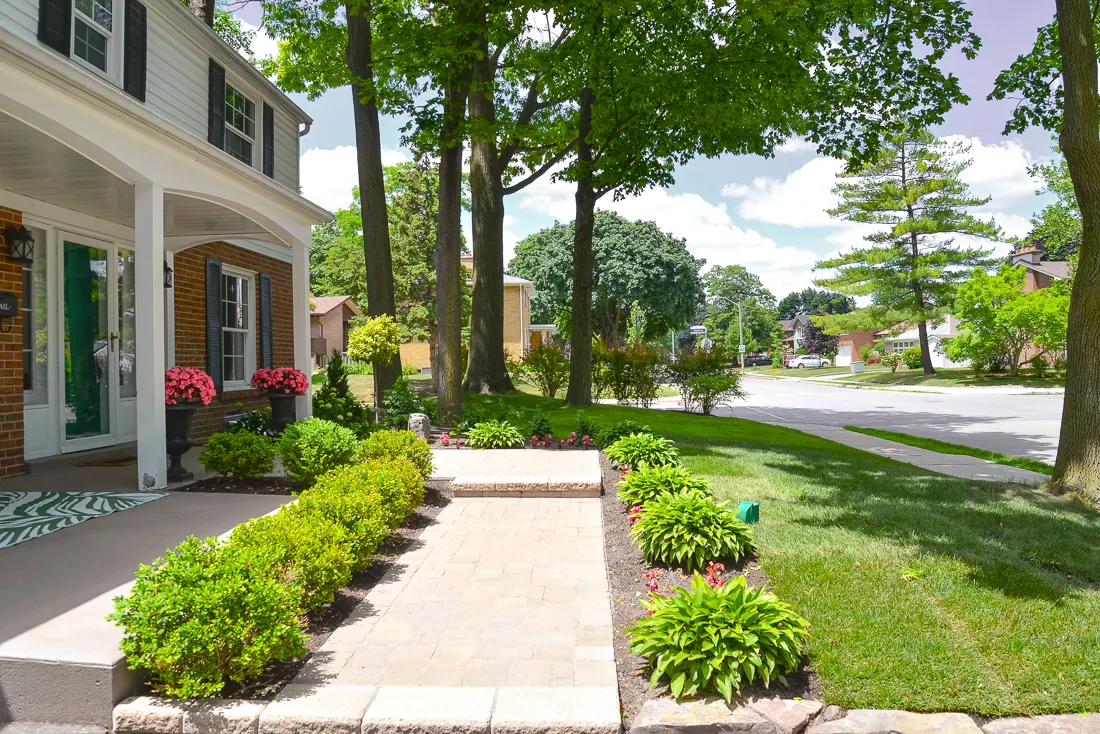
(870, 721)
(1058, 724)
(530, 474)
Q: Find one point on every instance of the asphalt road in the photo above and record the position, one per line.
(1022, 425)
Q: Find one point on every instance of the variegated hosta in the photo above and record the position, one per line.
(718, 639)
(688, 530)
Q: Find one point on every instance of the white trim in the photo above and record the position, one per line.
(277, 251)
(67, 218)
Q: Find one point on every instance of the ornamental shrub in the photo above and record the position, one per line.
(238, 454)
(206, 614)
(540, 425)
(690, 365)
(494, 435)
(632, 375)
(310, 551)
(650, 482)
(583, 426)
(710, 391)
(411, 482)
(394, 444)
(608, 435)
(400, 401)
(348, 497)
(718, 638)
(912, 359)
(314, 447)
(255, 421)
(891, 360)
(642, 448)
(547, 366)
(376, 339)
(1038, 365)
(687, 530)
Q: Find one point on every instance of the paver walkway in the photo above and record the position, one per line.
(516, 472)
(503, 605)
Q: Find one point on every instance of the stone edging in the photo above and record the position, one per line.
(344, 709)
(780, 716)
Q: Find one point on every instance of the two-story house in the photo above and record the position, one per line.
(150, 216)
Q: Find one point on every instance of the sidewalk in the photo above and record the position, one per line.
(839, 381)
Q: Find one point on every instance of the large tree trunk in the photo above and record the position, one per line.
(1078, 464)
(486, 371)
(448, 265)
(372, 190)
(925, 354)
(580, 359)
(204, 9)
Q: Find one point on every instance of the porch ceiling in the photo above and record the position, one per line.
(38, 166)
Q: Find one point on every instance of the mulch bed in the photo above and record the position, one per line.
(320, 623)
(625, 567)
(225, 485)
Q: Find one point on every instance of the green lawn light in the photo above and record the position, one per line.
(749, 512)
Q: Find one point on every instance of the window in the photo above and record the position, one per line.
(902, 346)
(240, 125)
(238, 334)
(34, 308)
(92, 30)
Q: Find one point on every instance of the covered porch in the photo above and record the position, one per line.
(112, 198)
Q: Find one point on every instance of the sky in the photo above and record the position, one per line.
(768, 214)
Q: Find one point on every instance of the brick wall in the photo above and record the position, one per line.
(11, 359)
(189, 285)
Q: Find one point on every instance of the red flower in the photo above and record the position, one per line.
(188, 384)
(445, 439)
(286, 379)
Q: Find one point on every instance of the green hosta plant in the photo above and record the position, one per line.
(642, 448)
(687, 530)
(650, 482)
(604, 437)
(494, 435)
(718, 639)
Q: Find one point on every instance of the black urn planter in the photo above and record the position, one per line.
(282, 409)
(177, 424)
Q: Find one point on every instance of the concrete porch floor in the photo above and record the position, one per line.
(65, 474)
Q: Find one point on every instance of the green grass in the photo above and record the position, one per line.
(943, 447)
(924, 592)
(954, 377)
(804, 372)
(529, 388)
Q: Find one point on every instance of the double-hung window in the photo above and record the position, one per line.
(93, 22)
(238, 328)
(240, 125)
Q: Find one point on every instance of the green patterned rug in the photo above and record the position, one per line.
(28, 515)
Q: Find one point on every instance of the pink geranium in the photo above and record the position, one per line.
(188, 385)
(281, 379)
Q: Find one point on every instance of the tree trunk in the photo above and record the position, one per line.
(486, 371)
(925, 354)
(372, 190)
(204, 9)
(580, 359)
(448, 265)
(1078, 463)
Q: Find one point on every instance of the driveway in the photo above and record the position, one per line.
(1021, 425)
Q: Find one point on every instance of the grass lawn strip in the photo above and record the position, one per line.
(925, 592)
(953, 377)
(943, 447)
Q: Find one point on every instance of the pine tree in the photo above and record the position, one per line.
(914, 191)
(337, 375)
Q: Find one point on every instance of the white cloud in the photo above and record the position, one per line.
(328, 174)
(998, 170)
(796, 145)
(263, 45)
(799, 200)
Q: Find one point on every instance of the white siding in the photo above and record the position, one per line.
(20, 17)
(177, 78)
(286, 150)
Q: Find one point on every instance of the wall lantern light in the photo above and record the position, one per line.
(20, 244)
(167, 276)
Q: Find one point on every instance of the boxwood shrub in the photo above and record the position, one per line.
(206, 614)
(238, 454)
(350, 498)
(650, 482)
(314, 447)
(392, 444)
(718, 639)
(687, 531)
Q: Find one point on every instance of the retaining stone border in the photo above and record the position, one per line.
(786, 716)
(525, 486)
(343, 709)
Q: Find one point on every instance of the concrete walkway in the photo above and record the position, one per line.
(520, 472)
(498, 619)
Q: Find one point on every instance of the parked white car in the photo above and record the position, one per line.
(807, 360)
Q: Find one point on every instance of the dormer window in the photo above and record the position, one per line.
(92, 29)
(240, 125)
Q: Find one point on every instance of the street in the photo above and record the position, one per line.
(1022, 425)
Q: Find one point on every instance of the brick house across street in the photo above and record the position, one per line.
(156, 172)
(329, 323)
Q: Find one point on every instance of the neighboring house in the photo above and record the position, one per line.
(849, 345)
(794, 332)
(1040, 273)
(519, 333)
(156, 172)
(329, 317)
(936, 334)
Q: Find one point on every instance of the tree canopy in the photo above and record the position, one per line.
(728, 285)
(913, 192)
(633, 261)
(1056, 230)
(814, 300)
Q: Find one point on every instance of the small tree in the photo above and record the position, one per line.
(337, 374)
(817, 341)
(891, 360)
(377, 340)
(548, 367)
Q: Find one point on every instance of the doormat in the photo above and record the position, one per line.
(28, 515)
(117, 461)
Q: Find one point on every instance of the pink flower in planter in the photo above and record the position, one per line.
(281, 379)
(188, 385)
(445, 439)
(587, 442)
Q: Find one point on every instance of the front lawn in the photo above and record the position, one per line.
(924, 592)
(954, 377)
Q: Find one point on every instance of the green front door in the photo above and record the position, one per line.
(90, 345)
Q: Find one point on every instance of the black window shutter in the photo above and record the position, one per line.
(55, 18)
(269, 141)
(214, 366)
(134, 39)
(267, 359)
(216, 102)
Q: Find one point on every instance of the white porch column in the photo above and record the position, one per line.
(302, 354)
(149, 302)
